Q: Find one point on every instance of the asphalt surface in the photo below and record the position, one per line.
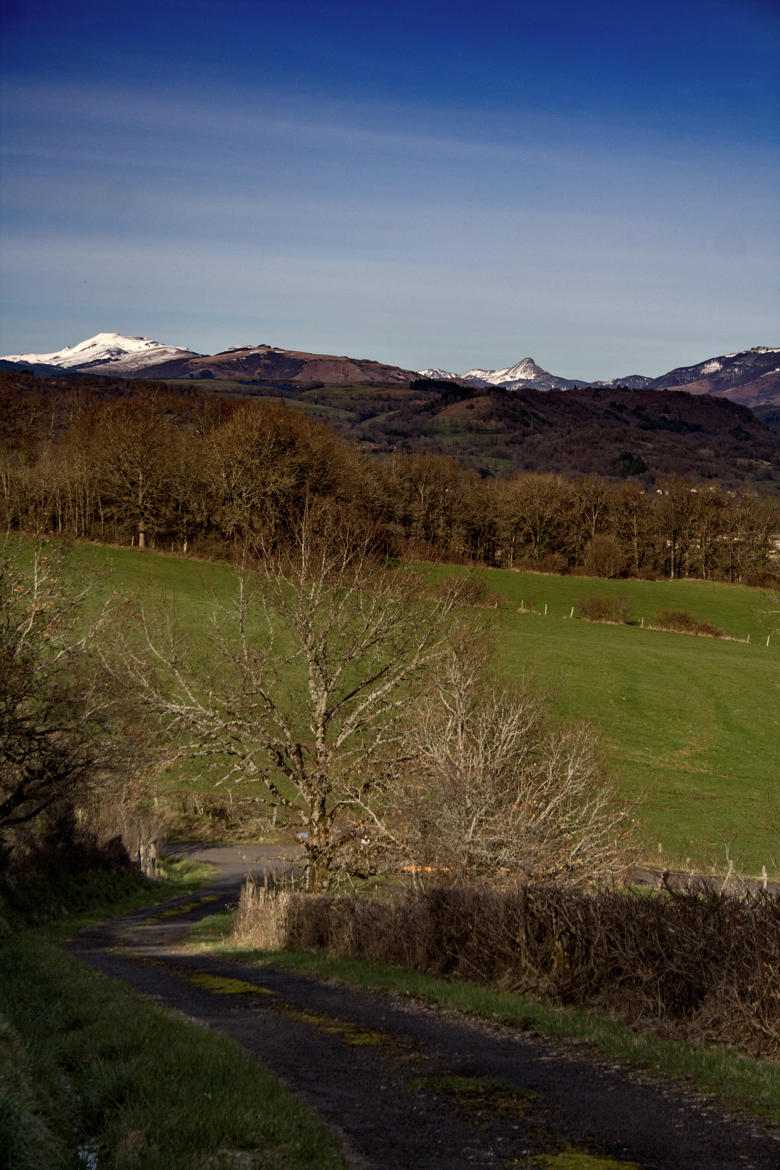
(410, 1087)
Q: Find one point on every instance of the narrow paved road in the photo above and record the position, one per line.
(410, 1088)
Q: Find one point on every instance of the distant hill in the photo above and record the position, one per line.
(751, 377)
(646, 434)
(643, 434)
(692, 421)
(266, 362)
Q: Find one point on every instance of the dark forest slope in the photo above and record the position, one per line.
(648, 434)
(643, 434)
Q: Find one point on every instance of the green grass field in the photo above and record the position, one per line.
(690, 724)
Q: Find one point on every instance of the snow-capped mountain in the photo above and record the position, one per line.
(525, 370)
(719, 375)
(444, 375)
(118, 354)
(138, 357)
(751, 377)
(524, 374)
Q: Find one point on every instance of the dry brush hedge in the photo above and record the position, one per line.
(694, 963)
(604, 609)
(682, 622)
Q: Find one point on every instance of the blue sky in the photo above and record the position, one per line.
(456, 184)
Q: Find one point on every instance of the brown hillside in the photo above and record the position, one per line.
(265, 362)
(617, 433)
(764, 391)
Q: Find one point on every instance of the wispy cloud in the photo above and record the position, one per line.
(561, 184)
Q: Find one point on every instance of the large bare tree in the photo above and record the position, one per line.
(303, 682)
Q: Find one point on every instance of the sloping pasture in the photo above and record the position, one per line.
(691, 725)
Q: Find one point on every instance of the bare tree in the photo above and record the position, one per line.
(58, 736)
(534, 514)
(133, 443)
(494, 790)
(301, 684)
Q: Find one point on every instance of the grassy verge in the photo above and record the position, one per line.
(91, 1074)
(736, 1081)
(40, 899)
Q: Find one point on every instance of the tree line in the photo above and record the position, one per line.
(195, 472)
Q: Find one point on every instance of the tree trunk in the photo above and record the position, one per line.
(318, 847)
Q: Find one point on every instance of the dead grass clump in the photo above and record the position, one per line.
(263, 916)
(696, 963)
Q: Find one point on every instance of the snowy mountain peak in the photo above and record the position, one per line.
(523, 373)
(116, 352)
(525, 370)
(443, 375)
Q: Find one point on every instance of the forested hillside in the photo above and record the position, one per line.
(199, 471)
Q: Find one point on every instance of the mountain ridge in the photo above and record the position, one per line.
(140, 357)
(748, 377)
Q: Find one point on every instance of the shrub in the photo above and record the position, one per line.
(552, 563)
(604, 557)
(604, 609)
(696, 962)
(263, 915)
(646, 573)
(761, 579)
(474, 591)
(683, 622)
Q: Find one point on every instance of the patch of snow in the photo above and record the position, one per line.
(247, 349)
(711, 367)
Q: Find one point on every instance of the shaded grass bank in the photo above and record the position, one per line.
(91, 1074)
